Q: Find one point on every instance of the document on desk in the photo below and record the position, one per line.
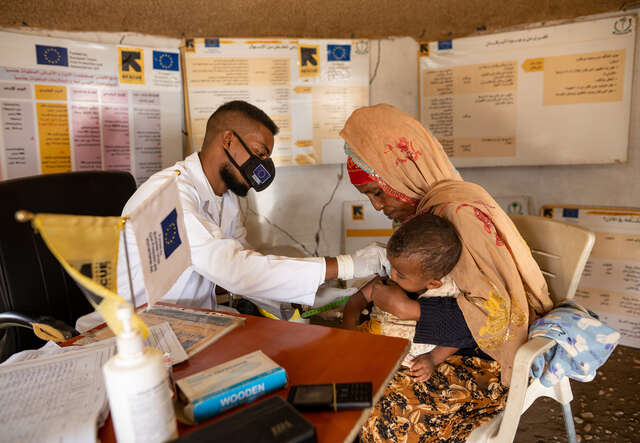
(162, 337)
(195, 329)
(58, 398)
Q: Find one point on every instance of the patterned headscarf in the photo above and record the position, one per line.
(504, 290)
(357, 175)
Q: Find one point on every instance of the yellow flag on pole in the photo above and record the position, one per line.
(87, 248)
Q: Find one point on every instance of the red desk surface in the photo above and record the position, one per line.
(311, 355)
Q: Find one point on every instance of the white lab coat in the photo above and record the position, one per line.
(219, 251)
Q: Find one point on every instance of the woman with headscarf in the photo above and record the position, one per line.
(403, 170)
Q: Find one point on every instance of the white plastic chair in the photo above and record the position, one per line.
(561, 250)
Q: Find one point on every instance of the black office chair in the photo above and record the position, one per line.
(33, 284)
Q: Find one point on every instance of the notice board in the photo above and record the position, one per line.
(610, 283)
(551, 95)
(76, 106)
(308, 87)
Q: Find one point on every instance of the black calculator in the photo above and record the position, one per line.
(331, 397)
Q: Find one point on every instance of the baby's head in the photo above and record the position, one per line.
(422, 251)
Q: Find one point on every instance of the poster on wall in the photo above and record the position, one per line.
(76, 106)
(363, 225)
(308, 87)
(610, 283)
(540, 96)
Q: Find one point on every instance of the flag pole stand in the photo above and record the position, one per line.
(126, 255)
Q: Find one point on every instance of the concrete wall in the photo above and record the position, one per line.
(296, 198)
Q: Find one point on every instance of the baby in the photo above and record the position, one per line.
(421, 252)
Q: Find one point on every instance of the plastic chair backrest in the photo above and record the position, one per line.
(32, 281)
(561, 250)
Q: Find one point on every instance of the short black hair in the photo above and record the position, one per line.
(432, 240)
(248, 110)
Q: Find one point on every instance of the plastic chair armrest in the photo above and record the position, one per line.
(519, 384)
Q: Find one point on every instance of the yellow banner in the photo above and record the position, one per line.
(369, 232)
(87, 248)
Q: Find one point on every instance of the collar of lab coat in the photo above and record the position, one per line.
(211, 202)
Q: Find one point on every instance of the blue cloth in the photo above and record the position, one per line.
(584, 344)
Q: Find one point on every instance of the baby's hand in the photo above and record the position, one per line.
(422, 367)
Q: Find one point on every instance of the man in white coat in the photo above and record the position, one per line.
(235, 156)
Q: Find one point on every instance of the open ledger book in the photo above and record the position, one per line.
(57, 398)
(57, 394)
(195, 329)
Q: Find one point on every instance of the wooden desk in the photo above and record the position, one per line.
(310, 354)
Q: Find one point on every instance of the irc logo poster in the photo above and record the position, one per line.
(309, 60)
(131, 65)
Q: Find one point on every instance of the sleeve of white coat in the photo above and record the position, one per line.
(227, 263)
(240, 231)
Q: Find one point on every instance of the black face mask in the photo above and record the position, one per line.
(257, 172)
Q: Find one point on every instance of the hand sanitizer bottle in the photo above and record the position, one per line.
(138, 388)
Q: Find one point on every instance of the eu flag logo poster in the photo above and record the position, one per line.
(170, 235)
(52, 55)
(165, 61)
(338, 53)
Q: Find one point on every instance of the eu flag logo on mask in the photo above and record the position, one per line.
(338, 53)
(261, 175)
(170, 235)
(165, 61)
(52, 55)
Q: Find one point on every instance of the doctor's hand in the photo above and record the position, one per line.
(370, 260)
(367, 261)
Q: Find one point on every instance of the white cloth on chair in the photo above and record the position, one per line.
(584, 344)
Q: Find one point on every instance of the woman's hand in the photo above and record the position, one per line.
(391, 298)
(422, 367)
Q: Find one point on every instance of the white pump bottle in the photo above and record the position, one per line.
(137, 385)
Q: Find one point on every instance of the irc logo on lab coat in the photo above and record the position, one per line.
(170, 235)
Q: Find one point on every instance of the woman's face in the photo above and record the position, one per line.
(395, 209)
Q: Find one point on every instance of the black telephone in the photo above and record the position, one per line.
(331, 397)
